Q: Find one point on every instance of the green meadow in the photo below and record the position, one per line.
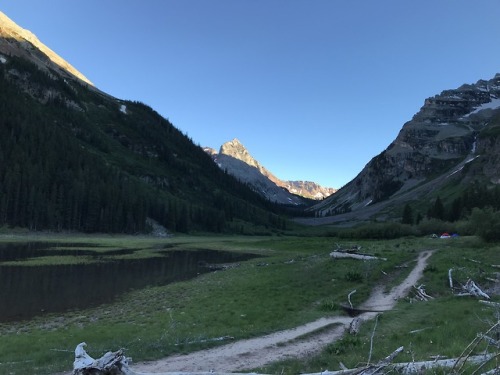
(293, 280)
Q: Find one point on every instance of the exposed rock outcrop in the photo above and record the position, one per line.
(438, 141)
(23, 43)
(237, 161)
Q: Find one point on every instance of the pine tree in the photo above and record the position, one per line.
(407, 215)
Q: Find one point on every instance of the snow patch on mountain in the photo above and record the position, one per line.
(494, 104)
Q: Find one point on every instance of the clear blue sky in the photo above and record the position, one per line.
(313, 88)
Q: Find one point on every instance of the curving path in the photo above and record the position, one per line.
(257, 352)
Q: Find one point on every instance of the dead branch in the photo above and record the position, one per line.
(371, 340)
(349, 297)
(471, 287)
(409, 368)
(341, 255)
(421, 294)
(366, 370)
(471, 347)
(473, 260)
(489, 303)
(419, 330)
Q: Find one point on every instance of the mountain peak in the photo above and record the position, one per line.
(14, 40)
(235, 151)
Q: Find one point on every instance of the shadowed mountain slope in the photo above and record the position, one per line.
(451, 141)
(74, 158)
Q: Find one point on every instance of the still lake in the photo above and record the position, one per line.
(27, 291)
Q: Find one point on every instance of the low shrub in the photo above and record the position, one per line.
(379, 231)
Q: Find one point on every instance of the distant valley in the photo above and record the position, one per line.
(236, 160)
(76, 158)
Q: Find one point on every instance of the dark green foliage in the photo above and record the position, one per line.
(74, 161)
(486, 223)
(346, 344)
(476, 195)
(353, 276)
(387, 230)
(407, 215)
(437, 210)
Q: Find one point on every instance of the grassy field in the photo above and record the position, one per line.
(293, 282)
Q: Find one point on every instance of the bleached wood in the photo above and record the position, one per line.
(341, 255)
(471, 287)
(349, 297)
(354, 326)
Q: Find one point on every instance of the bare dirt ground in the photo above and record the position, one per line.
(252, 353)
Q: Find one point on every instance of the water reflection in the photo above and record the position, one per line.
(26, 291)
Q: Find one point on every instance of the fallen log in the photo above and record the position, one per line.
(341, 255)
(471, 287)
(420, 367)
(408, 368)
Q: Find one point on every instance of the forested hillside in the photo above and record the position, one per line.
(73, 158)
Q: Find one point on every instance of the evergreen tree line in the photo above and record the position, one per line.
(63, 169)
(475, 195)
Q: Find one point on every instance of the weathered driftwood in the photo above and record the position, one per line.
(111, 363)
(491, 304)
(354, 326)
(420, 367)
(341, 254)
(349, 297)
(471, 287)
(407, 368)
(420, 293)
(419, 330)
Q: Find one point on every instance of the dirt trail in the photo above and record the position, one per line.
(257, 352)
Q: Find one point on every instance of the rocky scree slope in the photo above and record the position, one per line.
(234, 158)
(452, 130)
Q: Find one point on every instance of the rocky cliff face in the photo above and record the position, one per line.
(237, 161)
(439, 138)
(16, 41)
(308, 189)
